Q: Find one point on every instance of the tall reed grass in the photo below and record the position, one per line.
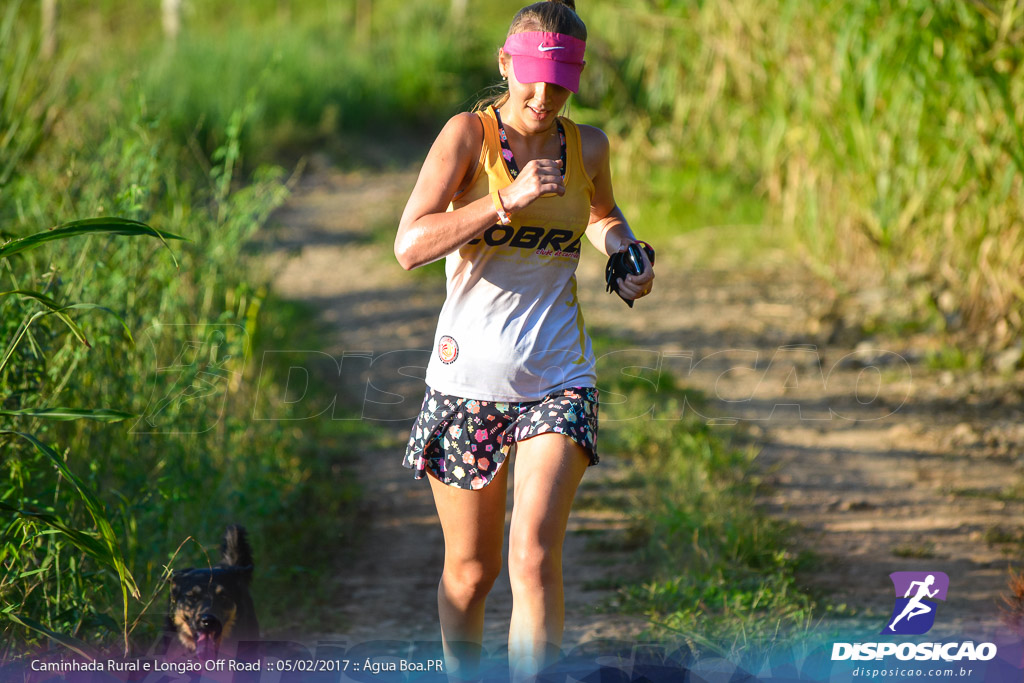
(90, 499)
(30, 93)
(884, 138)
(95, 509)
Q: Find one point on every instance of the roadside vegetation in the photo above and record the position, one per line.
(880, 141)
(719, 576)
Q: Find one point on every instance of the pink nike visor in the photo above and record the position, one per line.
(539, 56)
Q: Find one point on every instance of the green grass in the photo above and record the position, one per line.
(1000, 535)
(31, 90)
(1007, 494)
(950, 357)
(313, 84)
(721, 577)
(667, 201)
(919, 551)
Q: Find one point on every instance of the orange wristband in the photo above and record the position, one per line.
(503, 216)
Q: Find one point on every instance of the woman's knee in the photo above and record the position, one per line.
(470, 579)
(533, 563)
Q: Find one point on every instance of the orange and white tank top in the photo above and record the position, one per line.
(511, 328)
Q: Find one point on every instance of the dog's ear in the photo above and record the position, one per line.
(235, 550)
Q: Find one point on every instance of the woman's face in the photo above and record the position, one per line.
(534, 105)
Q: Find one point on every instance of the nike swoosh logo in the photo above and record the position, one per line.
(548, 49)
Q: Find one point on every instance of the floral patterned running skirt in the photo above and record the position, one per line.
(464, 442)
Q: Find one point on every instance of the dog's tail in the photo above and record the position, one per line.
(235, 550)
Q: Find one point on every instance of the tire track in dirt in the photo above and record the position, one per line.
(886, 466)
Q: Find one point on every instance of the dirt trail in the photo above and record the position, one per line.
(885, 465)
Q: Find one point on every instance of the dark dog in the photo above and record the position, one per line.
(212, 606)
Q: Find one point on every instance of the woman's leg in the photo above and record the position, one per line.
(473, 523)
(549, 468)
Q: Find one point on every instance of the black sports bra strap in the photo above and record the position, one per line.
(506, 151)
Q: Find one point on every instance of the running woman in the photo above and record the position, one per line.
(505, 195)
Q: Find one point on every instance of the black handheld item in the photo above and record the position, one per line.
(623, 263)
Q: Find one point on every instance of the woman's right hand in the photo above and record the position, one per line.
(539, 177)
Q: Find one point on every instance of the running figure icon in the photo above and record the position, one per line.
(916, 607)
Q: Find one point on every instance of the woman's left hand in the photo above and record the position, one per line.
(635, 287)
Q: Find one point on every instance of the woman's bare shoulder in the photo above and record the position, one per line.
(594, 145)
(463, 132)
(451, 161)
(592, 135)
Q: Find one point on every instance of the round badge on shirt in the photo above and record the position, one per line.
(447, 349)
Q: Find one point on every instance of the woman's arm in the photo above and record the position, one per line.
(428, 231)
(608, 229)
